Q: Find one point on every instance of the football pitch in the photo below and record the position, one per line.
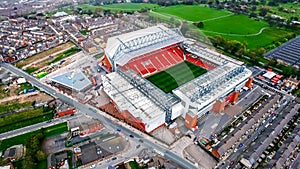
(175, 76)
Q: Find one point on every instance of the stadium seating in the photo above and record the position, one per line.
(199, 62)
(156, 61)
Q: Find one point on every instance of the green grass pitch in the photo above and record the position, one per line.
(192, 12)
(254, 33)
(175, 76)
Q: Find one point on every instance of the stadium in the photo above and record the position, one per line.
(158, 75)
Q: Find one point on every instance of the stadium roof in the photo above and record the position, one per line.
(129, 95)
(122, 48)
(217, 83)
(75, 80)
(210, 55)
(288, 52)
(206, 54)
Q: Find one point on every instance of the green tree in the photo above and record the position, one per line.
(287, 70)
(40, 155)
(264, 10)
(28, 162)
(200, 24)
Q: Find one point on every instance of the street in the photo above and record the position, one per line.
(102, 116)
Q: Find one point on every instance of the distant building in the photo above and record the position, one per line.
(5, 167)
(21, 80)
(60, 14)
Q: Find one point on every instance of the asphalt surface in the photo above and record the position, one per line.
(94, 113)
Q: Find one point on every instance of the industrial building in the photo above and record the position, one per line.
(135, 56)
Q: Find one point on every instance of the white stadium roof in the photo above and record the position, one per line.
(128, 96)
(122, 48)
(201, 92)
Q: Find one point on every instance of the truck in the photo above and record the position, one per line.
(66, 112)
(30, 90)
(94, 80)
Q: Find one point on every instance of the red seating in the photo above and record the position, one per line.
(156, 61)
(199, 62)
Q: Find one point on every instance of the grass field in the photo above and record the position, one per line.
(21, 139)
(235, 24)
(15, 105)
(55, 130)
(192, 12)
(24, 118)
(221, 23)
(24, 86)
(126, 7)
(55, 58)
(267, 37)
(176, 76)
(41, 55)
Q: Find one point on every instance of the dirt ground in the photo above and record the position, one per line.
(44, 54)
(40, 96)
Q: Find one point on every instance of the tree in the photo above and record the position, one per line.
(28, 162)
(253, 15)
(40, 155)
(264, 10)
(287, 70)
(200, 24)
(263, 2)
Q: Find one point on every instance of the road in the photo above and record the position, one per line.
(34, 127)
(129, 153)
(236, 156)
(97, 114)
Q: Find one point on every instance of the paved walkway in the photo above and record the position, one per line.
(224, 16)
(229, 34)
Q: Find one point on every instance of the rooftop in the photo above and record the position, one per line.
(124, 47)
(75, 80)
(215, 84)
(288, 52)
(129, 97)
